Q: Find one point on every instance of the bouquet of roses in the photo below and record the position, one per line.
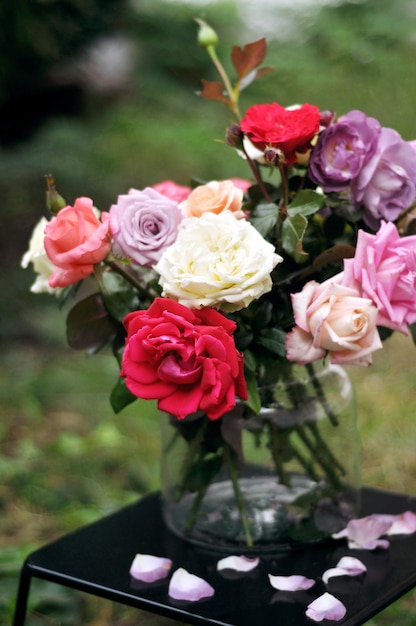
(208, 292)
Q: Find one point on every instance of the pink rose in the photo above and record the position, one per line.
(143, 224)
(384, 270)
(75, 240)
(171, 190)
(185, 359)
(332, 319)
(214, 197)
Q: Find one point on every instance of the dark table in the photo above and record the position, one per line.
(96, 559)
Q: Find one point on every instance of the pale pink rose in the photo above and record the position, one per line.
(214, 197)
(384, 270)
(332, 319)
(76, 240)
(172, 190)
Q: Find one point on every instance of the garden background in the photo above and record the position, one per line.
(102, 94)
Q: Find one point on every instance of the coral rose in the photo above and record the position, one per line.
(214, 197)
(384, 270)
(187, 360)
(332, 319)
(287, 129)
(75, 240)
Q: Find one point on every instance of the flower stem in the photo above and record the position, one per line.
(320, 394)
(238, 495)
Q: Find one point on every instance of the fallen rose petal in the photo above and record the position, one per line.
(364, 533)
(238, 563)
(383, 544)
(291, 583)
(326, 607)
(149, 568)
(346, 566)
(404, 524)
(186, 586)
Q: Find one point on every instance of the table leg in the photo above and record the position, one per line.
(22, 597)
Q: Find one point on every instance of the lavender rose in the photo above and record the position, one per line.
(386, 185)
(143, 224)
(343, 149)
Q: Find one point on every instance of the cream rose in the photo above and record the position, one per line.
(42, 265)
(214, 197)
(332, 319)
(217, 261)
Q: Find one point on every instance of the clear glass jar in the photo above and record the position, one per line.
(266, 482)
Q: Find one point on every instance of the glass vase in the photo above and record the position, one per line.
(270, 481)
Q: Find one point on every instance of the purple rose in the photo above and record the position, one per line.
(143, 224)
(342, 150)
(386, 185)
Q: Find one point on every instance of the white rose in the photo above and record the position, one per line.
(36, 255)
(217, 261)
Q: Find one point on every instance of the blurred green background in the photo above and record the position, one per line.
(102, 93)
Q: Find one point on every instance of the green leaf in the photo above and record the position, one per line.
(274, 340)
(250, 361)
(264, 218)
(88, 325)
(120, 396)
(306, 202)
(293, 230)
(119, 296)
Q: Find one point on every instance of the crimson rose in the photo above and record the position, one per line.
(186, 359)
(288, 130)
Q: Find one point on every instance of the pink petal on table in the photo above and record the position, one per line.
(149, 568)
(186, 586)
(404, 524)
(364, 533)
(383, 544)
(346, 566)
(238, 563)
(326, 607)
(291, 583)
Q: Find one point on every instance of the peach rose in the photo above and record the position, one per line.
(75, 240)
(214, 197)
(332, 319)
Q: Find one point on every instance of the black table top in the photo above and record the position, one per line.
(96, 559)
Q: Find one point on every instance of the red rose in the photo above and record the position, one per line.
(288, 130)
(75, 240)
(186, 359)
